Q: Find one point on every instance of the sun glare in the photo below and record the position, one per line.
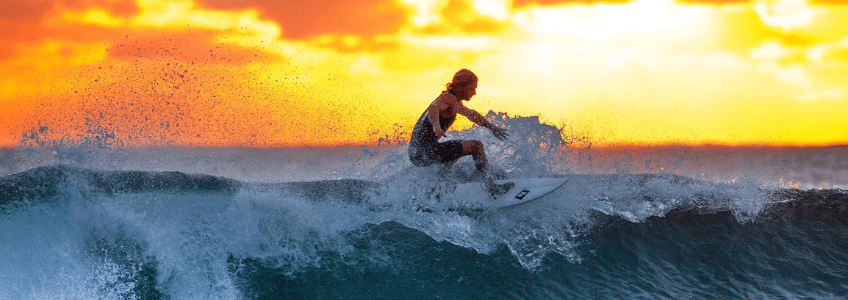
(497, 9)
(602, 22)
(786, 14)
(196, 72)
(426, 11)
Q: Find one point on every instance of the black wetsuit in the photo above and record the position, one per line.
(425, 148)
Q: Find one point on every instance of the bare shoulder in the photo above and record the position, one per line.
(444, 100)
(448, 97)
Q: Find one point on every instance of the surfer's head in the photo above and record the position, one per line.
(463, 85)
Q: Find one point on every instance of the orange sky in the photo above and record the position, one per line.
(317, 72)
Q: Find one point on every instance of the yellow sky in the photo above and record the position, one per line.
(227, 73)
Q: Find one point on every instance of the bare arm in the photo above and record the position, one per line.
(478, 119)
(474, 116)
(433, 115)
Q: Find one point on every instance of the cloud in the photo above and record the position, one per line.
(23, 20)
(460, 17)
(809, 68)
(786, 14)
(522, 3)
(431, 28)
(836, 53)
(234, 72)
(722, 2)
(714, 2)
(19, 21)
(175, 30)
(830, 2)
(21, 11)
(304, 19)
(830, 94)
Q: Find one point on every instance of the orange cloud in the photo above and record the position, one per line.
(225, 73)
(459, 16)
(18, 19)
(522, 3)
(303, 19)
(175, 73)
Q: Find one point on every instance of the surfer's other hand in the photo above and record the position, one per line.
(439, 132)
(500, 133)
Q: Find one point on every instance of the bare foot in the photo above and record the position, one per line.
(500, 189)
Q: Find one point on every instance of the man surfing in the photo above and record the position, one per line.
(424, 146)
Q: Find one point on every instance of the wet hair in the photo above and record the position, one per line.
(461, 79)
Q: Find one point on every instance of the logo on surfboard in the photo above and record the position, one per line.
(521, 194)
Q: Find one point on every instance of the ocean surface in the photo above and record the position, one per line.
(94, 222)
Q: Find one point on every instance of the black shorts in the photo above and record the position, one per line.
(444, 152)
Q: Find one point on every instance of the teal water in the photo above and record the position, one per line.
(97, 222)
(82, 234)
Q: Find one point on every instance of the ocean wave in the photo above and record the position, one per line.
(80, 229)
(154, 233)
(45, 182)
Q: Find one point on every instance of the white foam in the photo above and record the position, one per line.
(46, 248)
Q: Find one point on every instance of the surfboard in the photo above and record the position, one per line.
(524, 191)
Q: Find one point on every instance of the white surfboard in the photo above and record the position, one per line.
(525, 190)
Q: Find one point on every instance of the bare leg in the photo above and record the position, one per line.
(475, 149)
(446, 167)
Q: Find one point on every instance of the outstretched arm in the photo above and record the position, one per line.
(478, 119)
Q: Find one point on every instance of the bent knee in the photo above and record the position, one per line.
(473, 146)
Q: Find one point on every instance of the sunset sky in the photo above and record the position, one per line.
(320, 73)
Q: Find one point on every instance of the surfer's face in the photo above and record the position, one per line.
(469, 91)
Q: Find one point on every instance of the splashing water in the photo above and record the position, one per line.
(343, 223)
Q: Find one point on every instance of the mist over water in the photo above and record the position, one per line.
(85, 222)
(542, 148)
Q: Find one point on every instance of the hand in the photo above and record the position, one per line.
(439, 132)
(500, 133)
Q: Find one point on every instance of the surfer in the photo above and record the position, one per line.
(424, 146)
